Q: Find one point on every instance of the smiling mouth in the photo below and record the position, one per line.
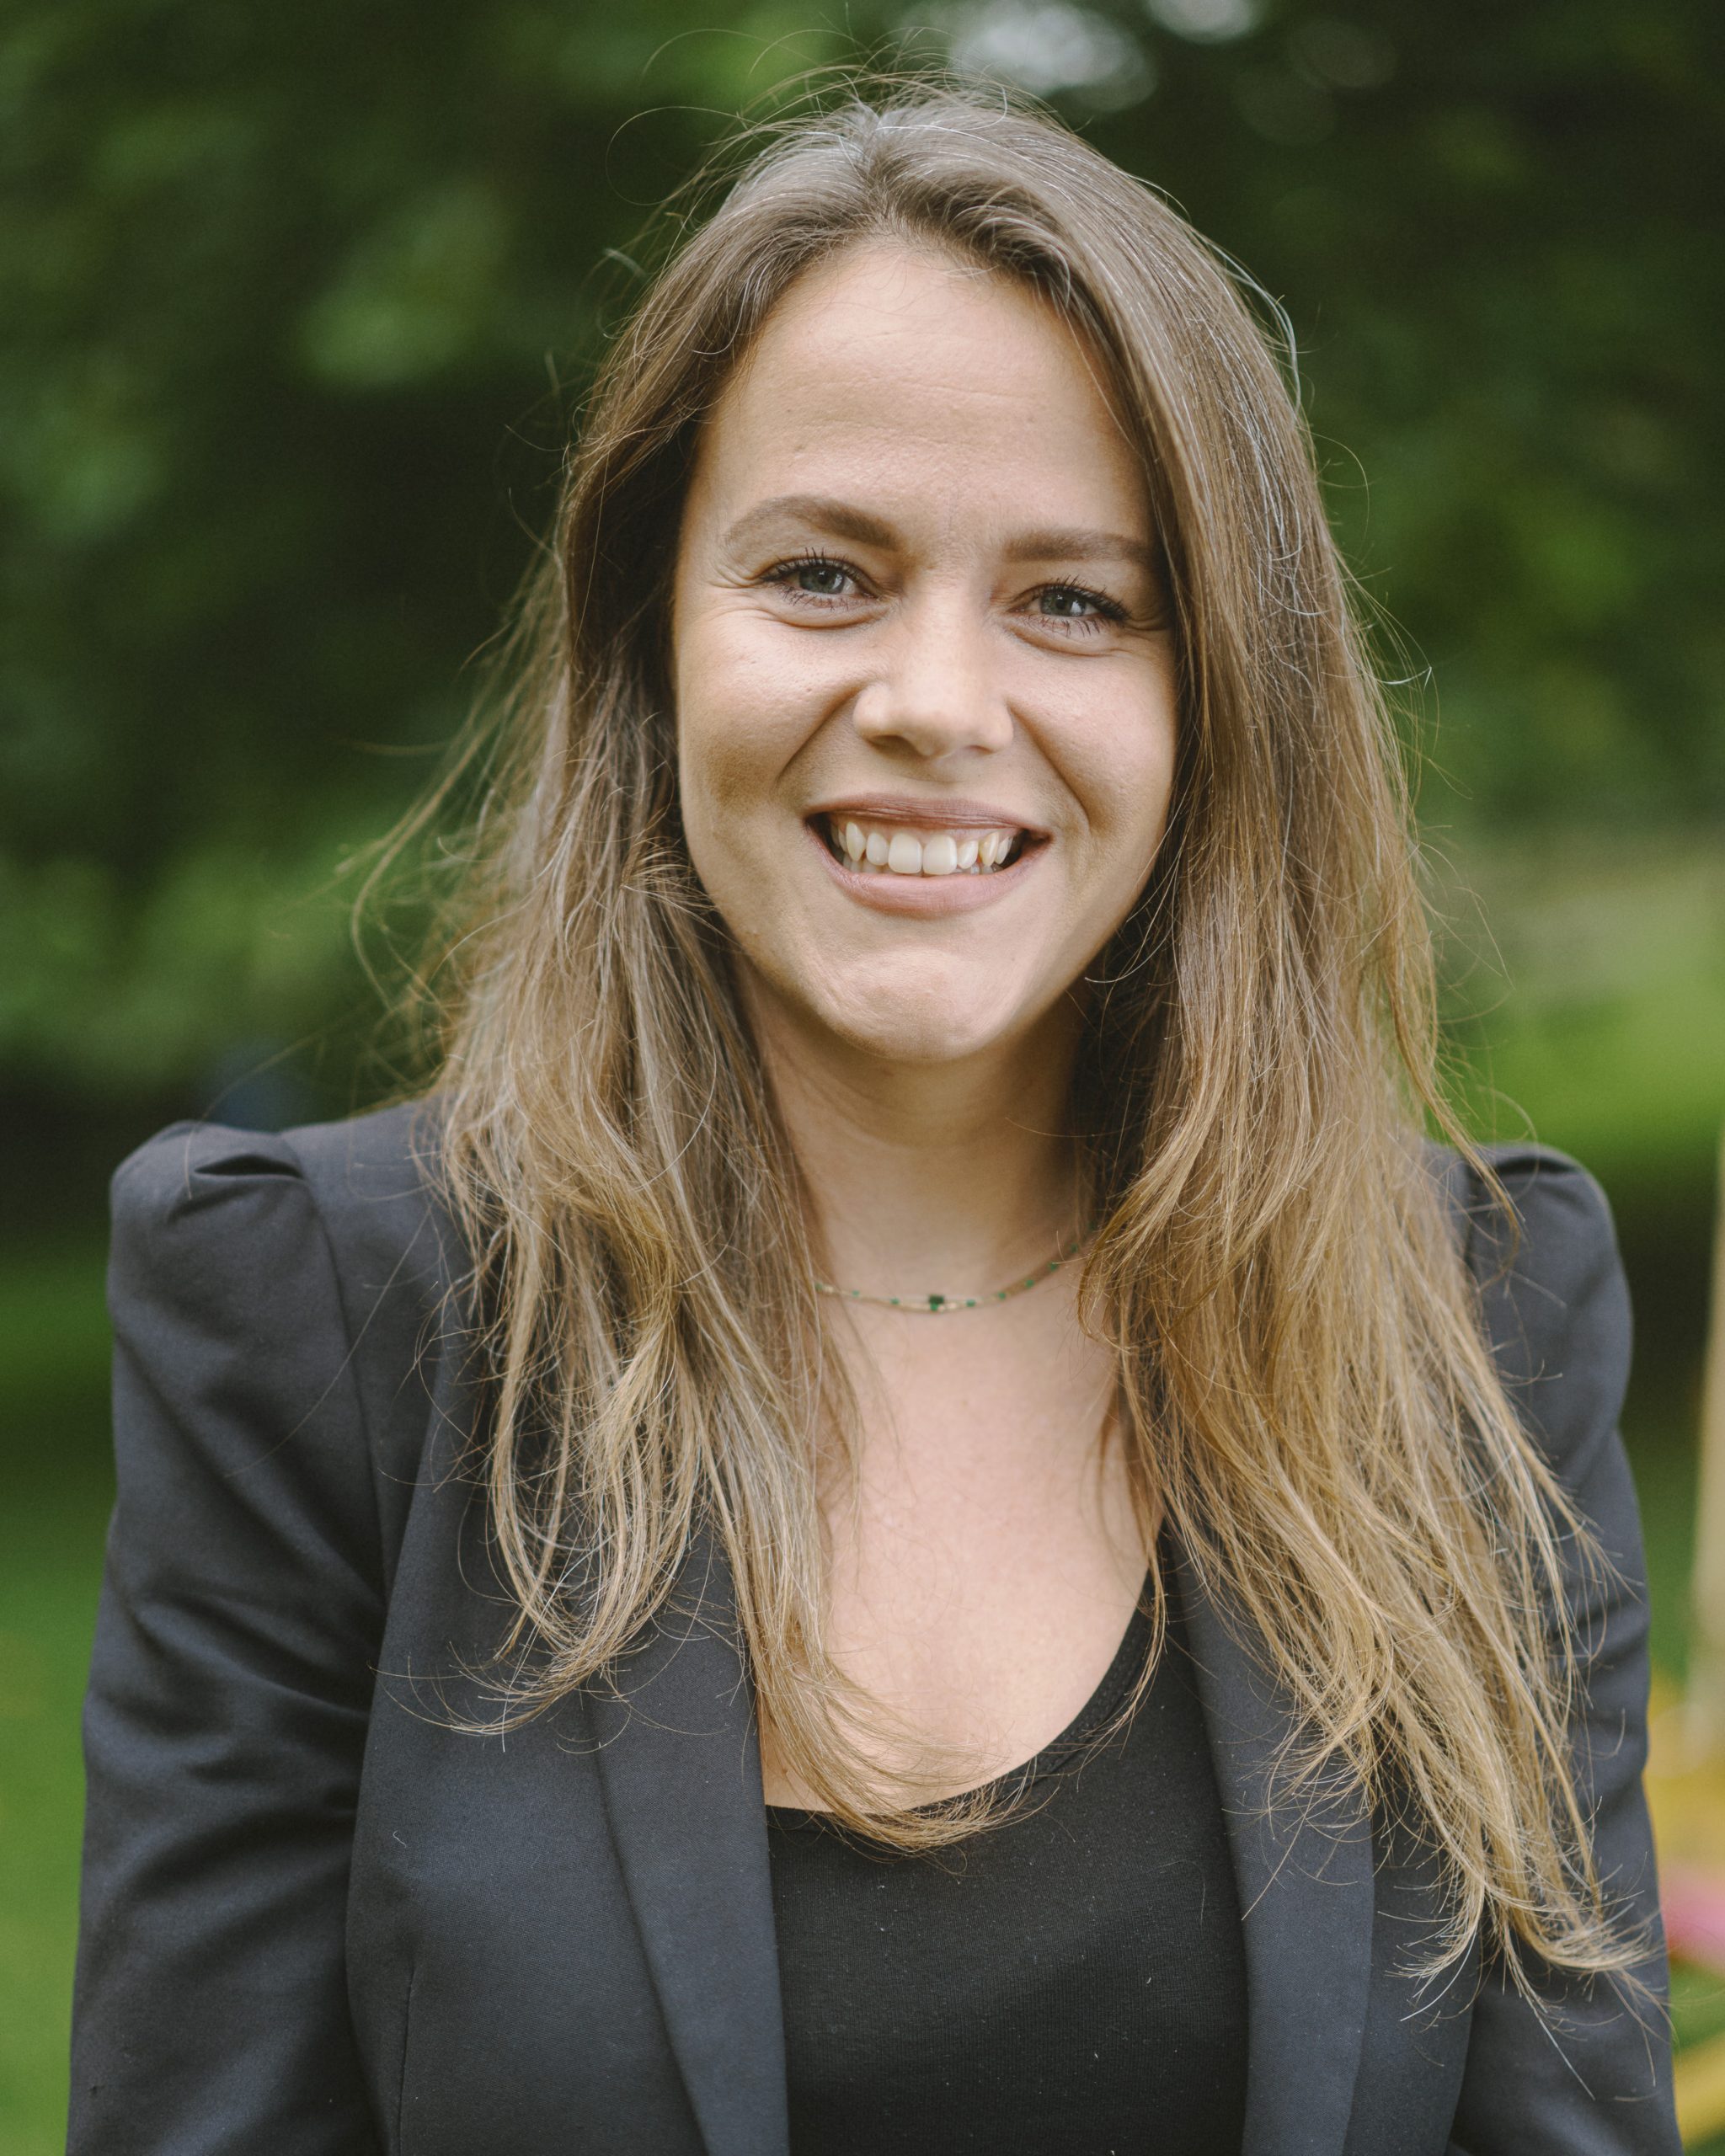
(871, 848)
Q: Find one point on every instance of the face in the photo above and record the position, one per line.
(924, 678)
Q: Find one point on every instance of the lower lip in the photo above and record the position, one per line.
(888, 892)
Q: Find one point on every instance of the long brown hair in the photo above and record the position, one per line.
(1307, 1395)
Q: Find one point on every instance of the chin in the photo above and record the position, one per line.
(899, 1008)
(919, 1026)
(895, 1041)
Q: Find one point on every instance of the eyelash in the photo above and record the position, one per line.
(1108, 611)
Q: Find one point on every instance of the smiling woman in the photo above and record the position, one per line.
(585, 1662)
(916, 557)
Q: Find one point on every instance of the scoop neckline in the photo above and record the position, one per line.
(1104, 1704)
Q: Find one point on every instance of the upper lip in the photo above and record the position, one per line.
(941, 815)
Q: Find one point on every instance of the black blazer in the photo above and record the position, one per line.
(317, 1920)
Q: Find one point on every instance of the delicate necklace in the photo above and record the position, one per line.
(941, 1305)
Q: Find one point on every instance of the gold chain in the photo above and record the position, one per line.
(942, 1305)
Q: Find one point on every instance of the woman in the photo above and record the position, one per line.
(909, 1513)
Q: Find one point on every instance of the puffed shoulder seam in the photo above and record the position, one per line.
(1549, 1193)
(1515, 1164)
(143, 1187)
(170, 1160)
(1531, 1166)
(1534, 1178)
(1553, 1281)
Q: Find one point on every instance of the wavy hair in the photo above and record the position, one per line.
(1307, 1397)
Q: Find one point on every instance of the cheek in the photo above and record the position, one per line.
(1119, 765)
(742, 712)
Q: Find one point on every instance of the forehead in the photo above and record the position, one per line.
(901, 363)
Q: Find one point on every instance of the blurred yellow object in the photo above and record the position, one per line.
(1686, 1754)
(1700, 2091)
(1685, 1787)
(1705, 1704)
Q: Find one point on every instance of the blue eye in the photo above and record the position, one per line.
(821, 579)
(1071, 602)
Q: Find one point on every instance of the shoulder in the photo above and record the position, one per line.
(1552, 1294)
(326, 1244)
(1558, 1228)
(359, 1164)
(366, 1185)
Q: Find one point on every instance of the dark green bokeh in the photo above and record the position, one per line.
(296, 307)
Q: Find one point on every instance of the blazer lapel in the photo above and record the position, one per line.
(1304, 1870)
(681, 1774)
(681, 1767)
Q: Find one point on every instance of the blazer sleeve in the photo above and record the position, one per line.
(1594, 2079)
(239, 1625)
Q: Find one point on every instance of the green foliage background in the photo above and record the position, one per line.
(295, 305)
(295, 308)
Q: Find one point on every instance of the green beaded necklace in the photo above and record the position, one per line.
(943, 1305)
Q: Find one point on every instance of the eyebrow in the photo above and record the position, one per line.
(826, 513)
(1064, 545)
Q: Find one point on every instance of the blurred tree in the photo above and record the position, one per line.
(1495, 229)
(295, 306)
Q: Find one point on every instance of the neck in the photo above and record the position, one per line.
(929, 1176)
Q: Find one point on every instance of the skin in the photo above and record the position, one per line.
(916, 566)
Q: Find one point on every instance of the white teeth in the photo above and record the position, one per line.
(907, 853)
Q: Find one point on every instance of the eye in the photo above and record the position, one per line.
(1076, 604)
(1072, 602)
(815, 576)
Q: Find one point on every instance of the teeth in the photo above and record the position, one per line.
(903, 852)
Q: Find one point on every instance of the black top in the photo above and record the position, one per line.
(1070, 1983)
(321, 1919)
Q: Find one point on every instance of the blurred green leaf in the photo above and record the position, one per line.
(295, 306)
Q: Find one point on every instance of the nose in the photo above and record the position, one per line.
(938, 692)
